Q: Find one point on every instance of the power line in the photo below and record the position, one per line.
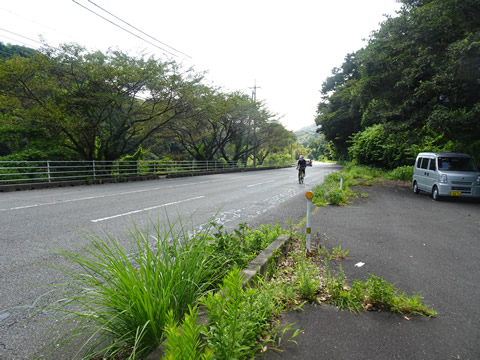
(13, 33)
(128, 31)
(144, 33)
(15, 40)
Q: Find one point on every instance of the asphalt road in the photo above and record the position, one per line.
(33, 223)
(423, 246)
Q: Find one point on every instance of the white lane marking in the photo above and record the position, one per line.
(146, 209)
(108, 195)
(266, 182)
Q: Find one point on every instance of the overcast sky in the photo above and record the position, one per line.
(287, 47)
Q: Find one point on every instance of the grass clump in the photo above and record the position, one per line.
(373, 294)
(331, 193)
(244, 244)
(121, 298)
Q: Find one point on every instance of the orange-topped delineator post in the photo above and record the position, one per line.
(309, 196)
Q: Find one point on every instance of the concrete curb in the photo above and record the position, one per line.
(273, 253)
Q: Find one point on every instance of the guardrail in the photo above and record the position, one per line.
(20, 172)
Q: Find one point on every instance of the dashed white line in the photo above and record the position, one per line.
(146, 209)
(105, 196)
(266, 182)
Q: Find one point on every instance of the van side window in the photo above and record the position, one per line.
(419, 163)
(425, 163)
(432, 165)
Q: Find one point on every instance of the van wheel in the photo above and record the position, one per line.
(415, 187)
(435, 194)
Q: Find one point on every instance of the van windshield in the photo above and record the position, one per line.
(456, 164)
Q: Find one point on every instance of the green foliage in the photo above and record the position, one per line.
(237, 318)
(413, 87)
(373, 294)
(128, 298)
(401, 173)
(339, 253)
(108, 301)
(8, 51)
(329, 191)
(307, 282)
(185, 342)
(243, 245)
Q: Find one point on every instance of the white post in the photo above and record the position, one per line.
(308, 230)
(341, 182)
(48, 171)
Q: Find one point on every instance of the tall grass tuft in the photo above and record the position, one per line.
(119, 299)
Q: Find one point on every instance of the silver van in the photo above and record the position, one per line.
(446, 174)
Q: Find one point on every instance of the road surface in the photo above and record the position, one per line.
(35, 223)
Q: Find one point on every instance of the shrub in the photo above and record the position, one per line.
(401, 173)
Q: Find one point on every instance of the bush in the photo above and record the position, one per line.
(401, 173)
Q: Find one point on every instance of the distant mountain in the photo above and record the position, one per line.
(306, 135)
(8, 51)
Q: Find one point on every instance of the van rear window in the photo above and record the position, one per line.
(456, 164)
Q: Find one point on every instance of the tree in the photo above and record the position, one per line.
(419, 76)
(103, 106)
(339, 113)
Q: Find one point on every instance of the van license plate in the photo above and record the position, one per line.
(455, 193)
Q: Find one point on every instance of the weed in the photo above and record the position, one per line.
(184, 342)
(307, 279)
(124, 298)
(375, 293)
(338, 253)
(237, 318)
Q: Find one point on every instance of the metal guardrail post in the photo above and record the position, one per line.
(94, 175)
(48, 171)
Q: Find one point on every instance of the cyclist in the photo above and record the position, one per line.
(301, 166)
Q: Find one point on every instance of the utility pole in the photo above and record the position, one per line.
(254, 98)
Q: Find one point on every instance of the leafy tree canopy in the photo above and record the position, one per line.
(419, 75)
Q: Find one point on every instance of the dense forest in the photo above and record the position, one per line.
(71, 104)
(414, 87)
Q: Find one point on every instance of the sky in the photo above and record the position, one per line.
(286, 49)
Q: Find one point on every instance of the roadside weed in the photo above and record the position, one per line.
(185, 342)
(338, 253)
(120, 298)
(237, 318)
(123, 295)
(329, 191)
(308, 282)
(373, 294)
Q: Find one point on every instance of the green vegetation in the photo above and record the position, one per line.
(189, 295)
(121, 298)
(414, 87)
(69, 103)
(310, 279)
(373, 294)
(354, 175)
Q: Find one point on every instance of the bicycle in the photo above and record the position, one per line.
(301, 175)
